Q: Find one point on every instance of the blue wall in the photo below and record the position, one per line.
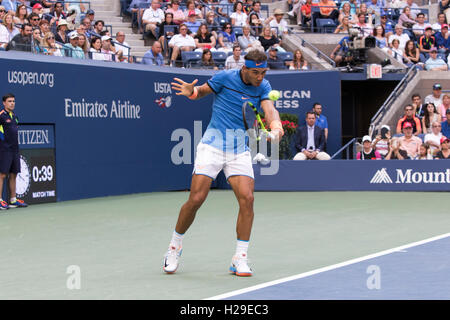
(106, 152)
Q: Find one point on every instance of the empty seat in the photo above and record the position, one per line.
(326, 25)
(191, 58)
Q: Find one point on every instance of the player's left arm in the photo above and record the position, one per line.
(272, 118)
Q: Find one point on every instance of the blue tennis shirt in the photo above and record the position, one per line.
(226, 129)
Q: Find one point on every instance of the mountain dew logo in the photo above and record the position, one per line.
(381, 176)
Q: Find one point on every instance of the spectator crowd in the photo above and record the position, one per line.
(423, 131)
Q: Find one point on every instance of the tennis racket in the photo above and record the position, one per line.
(252, 120)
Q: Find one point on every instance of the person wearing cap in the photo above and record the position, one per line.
(273, 61)
(409, 142)
(278, 24)
(382, 141)
(192, 23)
(445, 125)
(367, 152)
(38, 9)
(61, 32)
(340, 53)
(236, 60)
(387, 25)
(444, 153)
(152, 17)
(410, 118)
(436, 96)
(402, 37)
(426, 42)
(443, 41)
(72, 49)
(434, 63)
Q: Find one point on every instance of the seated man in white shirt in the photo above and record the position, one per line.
(402, 37)
(433, 139)
(235, 61)
(181, 42)
(152, 17)
(278, 24)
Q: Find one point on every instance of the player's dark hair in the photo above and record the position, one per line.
(7, 96)
(256, 56)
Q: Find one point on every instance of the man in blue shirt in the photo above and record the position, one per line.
(223, 148)
(153, 56)
(321, 120)
(9, 151)
(340, 53)
(445, 129)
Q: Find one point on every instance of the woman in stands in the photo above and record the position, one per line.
(7, 30)
(164, 34)
(83, 44)
(255, 24)
(96, 49)
(207, 60)
(344, 27)
(406, 19)
(50, 46)
(444, 153)
(431, 114)
(36, 39)
(227, 38)
(268, 39)
(379, 35)
(363, 9)
(238, 17)
(346, 12)
(190, 7)
(61, 33)
(424, 152)
(412, 54)
(444, 106)
(21, 14)
(178, 15)
(298, 62)
(204, 39)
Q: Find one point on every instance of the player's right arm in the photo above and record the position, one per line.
(188, 89)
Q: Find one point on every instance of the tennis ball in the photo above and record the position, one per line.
(274, 95)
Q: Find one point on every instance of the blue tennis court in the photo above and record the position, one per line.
(416, 271)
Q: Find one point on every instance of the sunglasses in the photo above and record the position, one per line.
(35, 19)
(50, 38)
(2, 10)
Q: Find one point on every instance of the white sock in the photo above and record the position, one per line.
(177, 240)
(13, 200)
(241, 247)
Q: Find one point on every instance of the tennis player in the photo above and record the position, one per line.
(222, 148)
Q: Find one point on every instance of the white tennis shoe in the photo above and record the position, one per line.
(172, 259)
(239, 266)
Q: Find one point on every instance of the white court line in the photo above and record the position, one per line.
(328, 268)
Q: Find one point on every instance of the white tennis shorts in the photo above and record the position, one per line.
(210, 161)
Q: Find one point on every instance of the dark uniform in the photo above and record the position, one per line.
(9, 143)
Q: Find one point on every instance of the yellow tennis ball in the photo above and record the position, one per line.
(274, 95)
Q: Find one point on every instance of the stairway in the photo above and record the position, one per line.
(109, 11)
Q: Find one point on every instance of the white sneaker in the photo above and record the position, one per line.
(239, 266)
(171, 259)
(291, 14)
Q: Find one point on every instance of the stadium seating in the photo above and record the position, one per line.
(326, 25)
(219, 57)
(191, 58)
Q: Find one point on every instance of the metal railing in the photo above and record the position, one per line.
(376, 119)
(318, 52)
(346, 147)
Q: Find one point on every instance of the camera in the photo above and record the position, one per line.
(358, 45)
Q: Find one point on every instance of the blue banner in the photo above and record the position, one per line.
(355, 175)
(120, 129)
